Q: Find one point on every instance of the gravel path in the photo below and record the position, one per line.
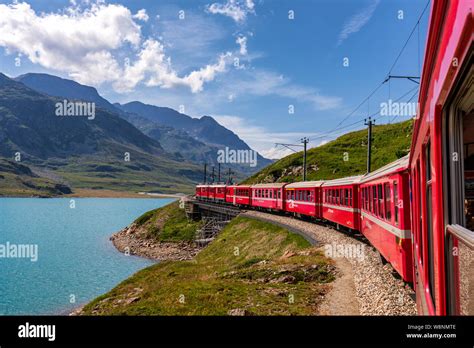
(377, 291)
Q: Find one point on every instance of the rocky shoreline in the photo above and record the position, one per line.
(132, 241)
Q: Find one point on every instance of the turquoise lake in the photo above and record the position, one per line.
(76, 260)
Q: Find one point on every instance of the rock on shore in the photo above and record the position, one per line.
(133, 241)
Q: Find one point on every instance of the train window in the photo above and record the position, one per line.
(279, 194)
(395, 200)
(429, 222)
(388, 202)
(374, 200)
(459, 184)
(420, 220)
(350, 197)
(468, 144)
(380, 196)
(369, 191)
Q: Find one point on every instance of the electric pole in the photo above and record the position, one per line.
(205, 173)
(213, 174)
(229, 179)
(218, 172)
(305, 142)
(369, 122)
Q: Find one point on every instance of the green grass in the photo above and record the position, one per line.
(241, 269)
(345, 156)
(168, 224)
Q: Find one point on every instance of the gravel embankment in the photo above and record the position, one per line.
(378, 292)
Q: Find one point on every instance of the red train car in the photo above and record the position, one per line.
(442, 163)
(304, 198)
(239, 195)
(341, 202)
(202, 192)
(268, 196)
(385, 214)
(217, 193)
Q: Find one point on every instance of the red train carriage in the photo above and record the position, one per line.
(442, 163)
(268, 196)
(202, 192)
(341, 201)
(239, 195)
(385, 214)
(304, 198)
(230, 193)
(217, 193)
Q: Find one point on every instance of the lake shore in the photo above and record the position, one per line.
(90, 193)
(133, 241)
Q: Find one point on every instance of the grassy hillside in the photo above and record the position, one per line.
(252, 267)
(345, 156)
(18, 180)
(168, 224)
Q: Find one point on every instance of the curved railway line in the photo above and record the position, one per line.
(375, 285)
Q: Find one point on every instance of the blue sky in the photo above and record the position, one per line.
(185, 54)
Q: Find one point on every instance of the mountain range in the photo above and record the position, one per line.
(131, 147)
(193, 139)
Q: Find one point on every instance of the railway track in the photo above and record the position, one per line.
(377, 290)
(364, 277)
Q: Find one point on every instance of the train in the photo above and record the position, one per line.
(358, 204)
(418, 211)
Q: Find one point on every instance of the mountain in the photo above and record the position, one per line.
(204, 129)
(344, 156)
(64, 88)
(187, 138)
(83, 152)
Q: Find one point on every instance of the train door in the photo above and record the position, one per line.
(459, 192)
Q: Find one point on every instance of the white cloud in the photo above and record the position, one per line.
(235, 9)
(195, 38)
(141, 15)
(265, 83)
(260, 138)
(83, 43)
(357, 21)
(242, 42)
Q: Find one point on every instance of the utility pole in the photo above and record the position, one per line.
(369, 122)
(205, 173)
(213, 174)
(218, 172)
(229, 179)
(305, 142)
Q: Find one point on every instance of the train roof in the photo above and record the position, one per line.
(391, 168)
(271, 185)
(301, 184)
(202, 185)
(350, 180)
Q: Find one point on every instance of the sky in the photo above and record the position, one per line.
(272, 71)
